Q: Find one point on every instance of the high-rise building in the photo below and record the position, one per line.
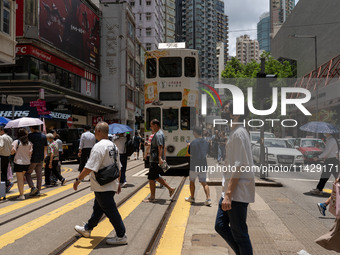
(7, 32)
(150, 21)
(196, 25)
(169, 20)
(247, 50)
(222, 27)
(263, 32)
(279, 11)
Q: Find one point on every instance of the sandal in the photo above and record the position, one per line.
(172, 192)
(149, 200)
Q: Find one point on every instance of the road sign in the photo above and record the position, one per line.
(69, 122)
(37, 103)
(3, 99)
(18, 101)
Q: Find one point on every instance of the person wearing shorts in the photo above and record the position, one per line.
(22, 148)
(156, 159)
(198, 150)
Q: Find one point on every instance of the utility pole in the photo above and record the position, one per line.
(260, 79)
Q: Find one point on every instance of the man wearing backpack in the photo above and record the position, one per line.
(121, 143)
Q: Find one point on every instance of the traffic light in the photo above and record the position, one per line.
(263, 88)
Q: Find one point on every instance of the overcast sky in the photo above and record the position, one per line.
(244, 15)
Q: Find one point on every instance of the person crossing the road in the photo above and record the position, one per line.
(156, 159)
(102, 155)
(87, 141)
(198, 150)
(5, 151)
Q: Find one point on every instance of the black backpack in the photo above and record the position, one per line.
(129, 149)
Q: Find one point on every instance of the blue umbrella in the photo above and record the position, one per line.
(4, 120)
(319, 127)
(116, 128)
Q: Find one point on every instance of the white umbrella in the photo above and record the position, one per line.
(23, 122)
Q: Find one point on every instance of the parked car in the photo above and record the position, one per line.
(70, 138)
(278, 151)
(255, 136)
(310, 148)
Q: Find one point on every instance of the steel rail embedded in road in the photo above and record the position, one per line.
(153, 244)
(74, 238)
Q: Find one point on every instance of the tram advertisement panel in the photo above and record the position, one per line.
(151, 92)
(71, 26)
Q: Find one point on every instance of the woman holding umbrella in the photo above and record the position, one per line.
(22, 148)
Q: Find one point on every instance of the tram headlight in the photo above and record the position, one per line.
(170, 148)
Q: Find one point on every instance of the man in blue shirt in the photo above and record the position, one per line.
(198, 150)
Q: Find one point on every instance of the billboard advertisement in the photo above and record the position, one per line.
(71, 26)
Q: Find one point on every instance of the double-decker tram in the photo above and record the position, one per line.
(171, 96)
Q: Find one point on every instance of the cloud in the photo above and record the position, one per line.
(243, 15)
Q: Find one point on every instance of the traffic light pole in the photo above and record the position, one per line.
(262, 149)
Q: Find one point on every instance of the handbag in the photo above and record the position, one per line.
(12, 157)
(334, 204)
(331, 240)
(108, 174)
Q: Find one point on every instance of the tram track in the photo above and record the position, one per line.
(74, 238)
(153, 244)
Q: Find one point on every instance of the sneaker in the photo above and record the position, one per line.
(34, 191)
(190, 199)
(316, 192)
(117, 240)
(81, 230)
(63, 181)
(9, 187)
(22, 197)
(207, 202)
(322, 208)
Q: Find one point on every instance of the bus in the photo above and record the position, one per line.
(171, 96)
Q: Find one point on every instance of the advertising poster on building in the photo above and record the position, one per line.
(190, 98)
(71, 26)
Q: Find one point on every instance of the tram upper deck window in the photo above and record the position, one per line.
(152, 113)
(170, 119)
(188, 118)
(190, 67)
(170, 67)
(151, 68)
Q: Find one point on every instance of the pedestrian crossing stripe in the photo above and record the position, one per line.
(84, 246)
(142, 173)
(17, 233)
(171, 242)
(35, 199)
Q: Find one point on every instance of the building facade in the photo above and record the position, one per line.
(263, 32)
(57, 62)
(247, 50)
(279, 11)
(196, 26)
(7, 32)
(150, 21)
(222, 28)
(122, 64)
(169, 20)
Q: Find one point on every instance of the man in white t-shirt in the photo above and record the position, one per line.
(103, 154)
(238, 189)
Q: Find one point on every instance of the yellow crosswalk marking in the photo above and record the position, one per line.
(172, 239)
(15, 234)
(85, 245)
(32, 200)
(327, 191)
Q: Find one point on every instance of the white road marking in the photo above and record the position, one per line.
(141, 173)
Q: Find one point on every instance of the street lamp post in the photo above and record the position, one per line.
(315, 63)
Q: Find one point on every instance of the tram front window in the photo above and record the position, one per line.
(170, 67)
(190, 67)
(152, 113)
(170, 119)
(188, 118)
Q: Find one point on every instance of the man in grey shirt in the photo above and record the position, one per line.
(87, 141)
(156, 159)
